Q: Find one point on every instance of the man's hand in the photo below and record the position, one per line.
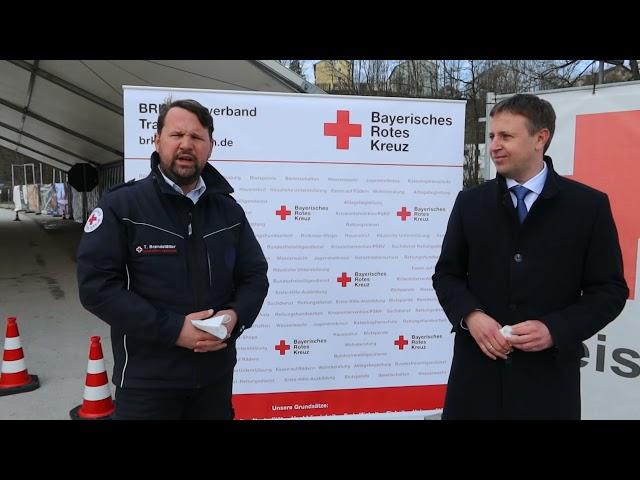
(486, 332)
(198, 340)
(530, 336)
(232, 322)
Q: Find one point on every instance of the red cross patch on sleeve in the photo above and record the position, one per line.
(94, 221)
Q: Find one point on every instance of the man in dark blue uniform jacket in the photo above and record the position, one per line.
(534, 251)
(161, 252)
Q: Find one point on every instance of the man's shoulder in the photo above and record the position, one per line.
(479, 190)
(228, 200)
(581, 190)
(126, 189)
(233, 210)
(130, 183)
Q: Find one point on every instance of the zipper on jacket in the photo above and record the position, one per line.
(193, 267)
(209, 263)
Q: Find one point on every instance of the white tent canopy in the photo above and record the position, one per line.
(63, 112)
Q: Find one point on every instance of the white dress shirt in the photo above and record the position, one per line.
(194, 195)
(535, 184)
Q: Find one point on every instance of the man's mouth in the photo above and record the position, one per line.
(186, 158)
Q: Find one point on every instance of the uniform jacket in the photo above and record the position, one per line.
(562, 266)
(157, 257)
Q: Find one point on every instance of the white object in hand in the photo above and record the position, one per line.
(506, 331)
(214, 325)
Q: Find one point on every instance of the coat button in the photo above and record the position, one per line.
(517, 257)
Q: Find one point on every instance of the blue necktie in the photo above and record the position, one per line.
(520, 192)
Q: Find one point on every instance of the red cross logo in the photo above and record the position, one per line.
(282, 347)
(283, 212)
(344, 279)
(404, 213)
(94, 221)
(401, 342)
(342, 130)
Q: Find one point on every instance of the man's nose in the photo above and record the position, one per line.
(186, 143)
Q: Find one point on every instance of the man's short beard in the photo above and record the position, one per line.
(178, 179)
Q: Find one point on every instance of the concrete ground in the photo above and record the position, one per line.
(38, 286)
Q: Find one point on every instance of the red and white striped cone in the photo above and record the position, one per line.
(14, 377)
(97, 403)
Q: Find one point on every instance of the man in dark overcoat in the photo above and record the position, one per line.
(535, 253)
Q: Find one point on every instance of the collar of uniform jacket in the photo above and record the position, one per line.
(213, 179)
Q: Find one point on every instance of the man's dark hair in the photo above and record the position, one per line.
(205, 118)
(538, 112)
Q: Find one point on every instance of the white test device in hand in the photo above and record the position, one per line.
(506, 331)
(214, 325)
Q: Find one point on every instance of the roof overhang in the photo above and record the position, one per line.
(63, 112)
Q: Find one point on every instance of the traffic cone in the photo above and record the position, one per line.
(97, 403)
(14, 377)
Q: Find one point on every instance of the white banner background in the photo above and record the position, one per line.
(317, 346)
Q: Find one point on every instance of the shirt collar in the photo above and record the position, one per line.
(194, 194)
(535, 184)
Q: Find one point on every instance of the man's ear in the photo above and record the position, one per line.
(542, 137)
